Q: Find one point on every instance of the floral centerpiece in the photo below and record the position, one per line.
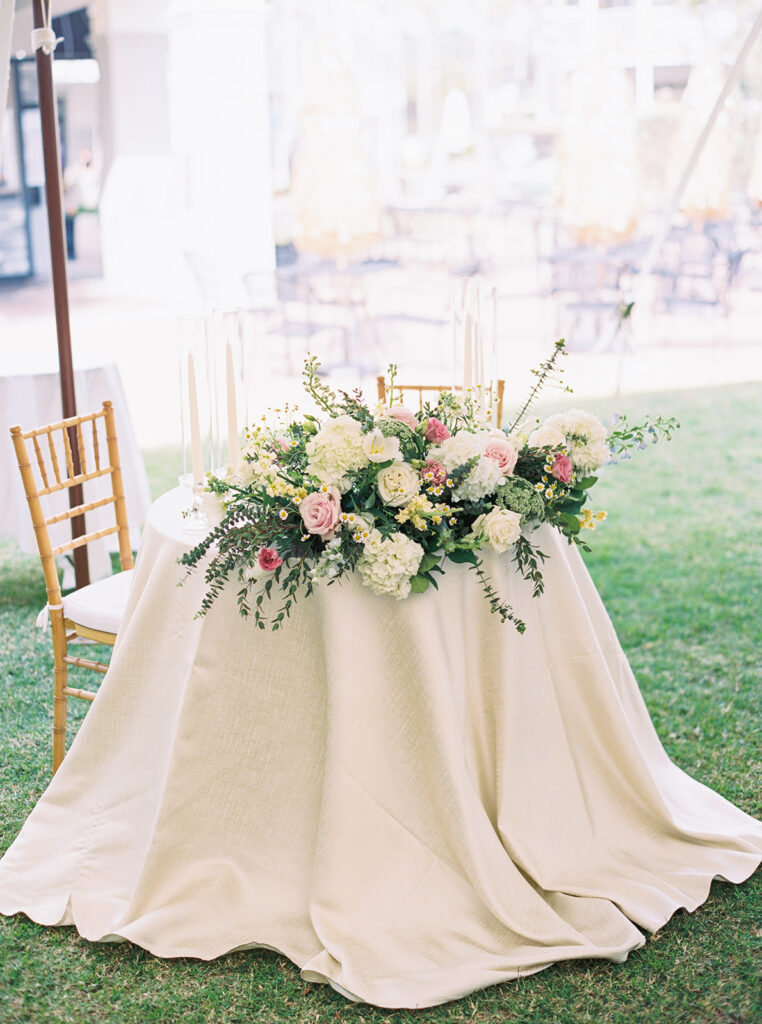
(394, 494)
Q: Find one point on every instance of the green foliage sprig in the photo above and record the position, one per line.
(548, 374)
(625, 436)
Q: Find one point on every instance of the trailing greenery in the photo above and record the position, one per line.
(680, 572)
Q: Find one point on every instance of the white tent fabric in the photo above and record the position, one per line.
(6, 29)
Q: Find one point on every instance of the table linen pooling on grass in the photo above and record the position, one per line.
(408, 799)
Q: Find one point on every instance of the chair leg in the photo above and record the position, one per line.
(60, 675)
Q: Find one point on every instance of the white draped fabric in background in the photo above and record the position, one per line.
(6, 31)
(408, 799)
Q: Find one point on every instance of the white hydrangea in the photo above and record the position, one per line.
(387, 565)
(459, 448)
(484, 478)
(336, 452)
(585, 438)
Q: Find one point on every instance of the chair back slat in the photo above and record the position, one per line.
(78, 542)
(79, 510)
(96, 450)
(53, 457)
(80, 478)
(81, 448)
(68, 459)
(67, 451)
(40, 461)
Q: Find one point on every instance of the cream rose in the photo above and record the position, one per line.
(397, 484)
(501, 528)
(547, 436)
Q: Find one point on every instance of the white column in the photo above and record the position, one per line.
(220, 131)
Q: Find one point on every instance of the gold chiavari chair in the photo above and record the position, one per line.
(423, 389)
(52, 459)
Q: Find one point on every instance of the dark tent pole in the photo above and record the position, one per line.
(54, 200)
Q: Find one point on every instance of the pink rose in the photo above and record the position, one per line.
(501, 451)
(436, 431)
(562, 468)
(269, 559)
(320, 512)
(434, 473)
(403, 414)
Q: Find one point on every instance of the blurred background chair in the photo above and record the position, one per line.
(427, 392)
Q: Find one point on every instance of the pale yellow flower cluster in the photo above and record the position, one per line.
(420, 509)
(589, 519)
(277, 487)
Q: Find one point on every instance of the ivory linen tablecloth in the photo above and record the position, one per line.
(408, 799)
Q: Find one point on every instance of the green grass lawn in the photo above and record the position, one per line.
(678, 565)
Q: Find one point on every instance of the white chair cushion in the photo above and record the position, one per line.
(100, 605)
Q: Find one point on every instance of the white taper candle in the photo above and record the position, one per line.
(232, 418)
(195, 427)
(468, 357)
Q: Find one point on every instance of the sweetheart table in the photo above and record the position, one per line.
(408, 799)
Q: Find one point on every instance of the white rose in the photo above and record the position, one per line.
(398, 484)
(379, 448)
(547, 436)
(501, 528)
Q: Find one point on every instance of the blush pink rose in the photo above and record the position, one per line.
(436, 431)
(269, 559)
(320, 512)
(501, 451)
(438, 471)
(403, 414)
(562, 468)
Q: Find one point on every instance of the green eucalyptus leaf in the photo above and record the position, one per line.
(585, 483)
(418, 584)
(570, 522)
(463, 555)
(428, 562)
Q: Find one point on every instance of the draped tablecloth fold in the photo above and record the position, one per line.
(407, 799)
